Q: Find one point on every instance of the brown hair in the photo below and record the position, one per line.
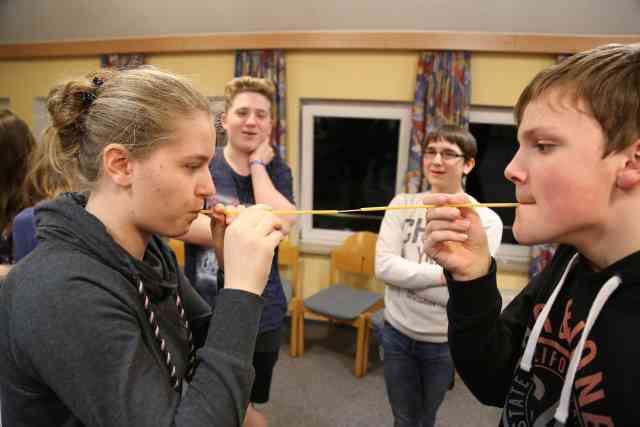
(607, 79)
(45, 180)
(455, 135)
(242, 84)
(16, 144)
(132, 107)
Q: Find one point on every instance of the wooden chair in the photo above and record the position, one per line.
(289, 258)
(374, 320)
(178, 247)
(345, 304)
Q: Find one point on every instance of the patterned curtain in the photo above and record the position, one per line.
(443, 94)
(268, 64)
(542, 254)
(122, 61)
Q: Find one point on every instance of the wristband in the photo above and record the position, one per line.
(257, 162)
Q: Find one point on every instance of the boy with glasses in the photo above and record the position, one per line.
(418, 368)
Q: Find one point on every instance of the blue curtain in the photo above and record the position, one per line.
(443, 95)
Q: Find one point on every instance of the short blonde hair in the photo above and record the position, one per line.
(242, 84)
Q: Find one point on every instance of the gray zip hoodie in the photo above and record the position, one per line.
(77, 347)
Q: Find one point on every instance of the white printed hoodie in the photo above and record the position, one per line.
(416, 294)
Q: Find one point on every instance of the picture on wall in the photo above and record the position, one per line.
(217, 108)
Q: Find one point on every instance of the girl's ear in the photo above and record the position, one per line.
(116, 164)
(629, 175)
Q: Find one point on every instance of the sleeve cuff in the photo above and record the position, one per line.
(234, 326)
(473, 296)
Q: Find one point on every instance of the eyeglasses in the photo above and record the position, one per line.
(447, 155)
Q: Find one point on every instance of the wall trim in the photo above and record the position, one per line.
(405, 40)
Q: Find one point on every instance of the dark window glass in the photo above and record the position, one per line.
(497, 144)
(355, 161)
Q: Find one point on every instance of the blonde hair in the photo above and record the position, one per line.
(16, 144)
(134, 107)
(242, 84)
(607, 79)
(44, 180)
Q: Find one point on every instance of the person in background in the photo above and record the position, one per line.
(418, 367)
(44, 181)
(98, 326)
(247, 170)
(562, 352)
(16, 144)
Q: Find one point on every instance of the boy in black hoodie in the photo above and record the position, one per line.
(564, 348)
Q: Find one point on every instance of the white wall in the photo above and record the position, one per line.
(42, 20)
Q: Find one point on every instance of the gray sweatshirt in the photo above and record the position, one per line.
(77, 347)
(416, 294)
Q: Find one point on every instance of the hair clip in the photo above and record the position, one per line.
(87, 98)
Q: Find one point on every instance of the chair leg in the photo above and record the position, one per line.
(300, 346)
(365, 349)
(293, 340)
(361, 323)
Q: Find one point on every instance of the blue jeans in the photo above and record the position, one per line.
(417, 375)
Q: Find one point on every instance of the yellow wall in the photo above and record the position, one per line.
(23, 80)
(497, 80)
(209, 71)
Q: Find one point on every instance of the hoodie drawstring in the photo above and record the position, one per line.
(527, 357)
(562, 411)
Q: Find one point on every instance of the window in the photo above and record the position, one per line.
(496, 134)
(353, 154)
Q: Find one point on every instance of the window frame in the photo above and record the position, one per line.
(515, 256)
(326, 239)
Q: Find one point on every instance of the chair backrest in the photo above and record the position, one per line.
(178, 247)
(356, 255)
(289, 257)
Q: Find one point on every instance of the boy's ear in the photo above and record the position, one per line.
(468, 166)
(629, 176)
(116, 163)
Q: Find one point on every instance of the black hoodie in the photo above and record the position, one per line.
(563, 349)
(77, 348)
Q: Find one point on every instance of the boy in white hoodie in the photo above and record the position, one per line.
(565, 347)
(417, 363)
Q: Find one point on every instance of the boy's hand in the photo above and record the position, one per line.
(263, 153)
(249, 244)
(455, 237)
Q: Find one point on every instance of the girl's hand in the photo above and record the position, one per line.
(249, 245)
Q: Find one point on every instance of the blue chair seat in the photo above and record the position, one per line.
(341, 302)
